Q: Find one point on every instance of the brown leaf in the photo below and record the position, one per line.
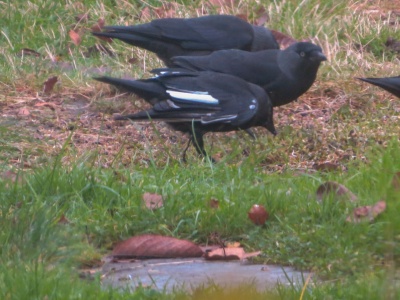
(52, 106)
(26, 52)
(338, 190)
(283, 40)
(23, 112)
(156, 246)
(213, 203)
(225, 254)
(367, 213)
(75, 37)
(229, 254)
(152, 201)
(82, 18)
(9, 175)
(396, 181)
(232, 245)
(145, 14)
(168, 10)
(49, 84)
(327, 166)
(262, 16)
(258, 214)
(98, 27)
(63, 220)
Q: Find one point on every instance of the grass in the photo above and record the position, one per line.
(72, 161)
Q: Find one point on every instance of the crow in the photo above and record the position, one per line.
(193, 36)
(283, 74)
(199, 102)
(390, 84)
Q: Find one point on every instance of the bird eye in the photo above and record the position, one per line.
(302, 54)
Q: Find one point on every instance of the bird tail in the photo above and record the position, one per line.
(148, 89)
(390, 84)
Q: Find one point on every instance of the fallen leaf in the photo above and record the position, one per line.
(327, 167)
(213, 203)
(156, 246)
(49, 84)
(396, 181)
(63, 220)
(283, 40)
(23, 112)
(9, 175)
(232, 245)
(145, 14)
(52, 106)
(75, 37)
(262, 16)
(367, 213)
(98, 27)
(258, 214)
(26, 52)
(82, 18)
(229, 254)
(339, 191)
(152, 201)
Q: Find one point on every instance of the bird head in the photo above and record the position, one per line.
(308, 51)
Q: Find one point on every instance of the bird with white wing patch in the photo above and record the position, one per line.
(200, 102)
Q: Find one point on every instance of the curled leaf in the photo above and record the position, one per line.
(367, 213)
(156, 246)
(75, 37)
(48, 85)
(339, 191)
(152, 201)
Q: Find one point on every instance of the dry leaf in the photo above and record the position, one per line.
(367, 213)
(98, 27)
(258, 214)
(82, 18)
(52, 106)
(283, 40)
(396, 181)
(232, 245)
(156, 246)
(30, 52)
(23, 112)
(262, 16)
(338, 190)
(152, 201)
(145, 14)
(213, 203)
(63, 220)
(229, 254)
(327, 166)
(49, 84)
(75, 37)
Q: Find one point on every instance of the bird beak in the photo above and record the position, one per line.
(318, 56)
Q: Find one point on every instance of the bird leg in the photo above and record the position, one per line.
(198, 142)
(184, 151)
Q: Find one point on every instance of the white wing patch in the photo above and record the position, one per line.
(193, 97)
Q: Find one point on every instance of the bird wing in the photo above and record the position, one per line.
(260, 67)
(390, 84)
(204, 33)
(208, 98)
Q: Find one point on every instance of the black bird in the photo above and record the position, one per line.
(390, 84)
(194, 36)
(283, 74)
(200, 102)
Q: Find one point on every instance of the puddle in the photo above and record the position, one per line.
(165, 274)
